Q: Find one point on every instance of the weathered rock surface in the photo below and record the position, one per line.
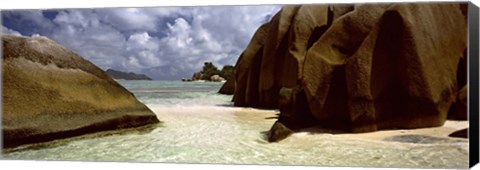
(458, 110)
(49, 92)
(278, 132)
(126, 76)
(228, 87)
(359, 68)
(247, 68)
(294, 109)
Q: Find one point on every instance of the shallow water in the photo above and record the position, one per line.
(200, 126)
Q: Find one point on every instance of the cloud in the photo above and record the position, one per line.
(31, 20)
(164, 43)
(8, 31)
(83, 32)
(137, 19)
(143, 50)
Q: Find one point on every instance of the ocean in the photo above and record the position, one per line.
(177, 93)
(201, 126)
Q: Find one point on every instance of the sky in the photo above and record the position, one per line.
(165, 43)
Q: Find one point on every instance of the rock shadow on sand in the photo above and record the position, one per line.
(421, 139)
(143, 130)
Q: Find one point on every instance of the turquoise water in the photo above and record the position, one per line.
(176, 93)
(201, 126)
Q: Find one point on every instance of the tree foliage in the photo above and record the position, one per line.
(227, 71)
(209, 70)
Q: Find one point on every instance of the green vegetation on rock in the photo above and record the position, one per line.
(227, 71)
(210, 72)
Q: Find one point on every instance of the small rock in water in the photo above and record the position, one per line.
(278, 132)
(460, 133)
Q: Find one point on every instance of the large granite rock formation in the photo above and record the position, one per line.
(358, 68)
(247, 69)
(49, 92)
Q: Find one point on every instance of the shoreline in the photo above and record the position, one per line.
(249, 113)
(219, 134)
(256, 115)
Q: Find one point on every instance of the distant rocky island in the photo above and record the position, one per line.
(211, 73)
(50, 92)
(126, 76)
